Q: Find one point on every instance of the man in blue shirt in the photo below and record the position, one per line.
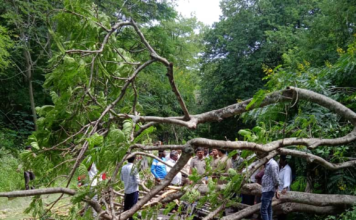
(129, 175)
(158, 169)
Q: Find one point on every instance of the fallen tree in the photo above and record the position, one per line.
(82, 138)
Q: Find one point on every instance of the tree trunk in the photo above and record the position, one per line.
(30, 88)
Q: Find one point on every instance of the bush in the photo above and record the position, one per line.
(10, 179)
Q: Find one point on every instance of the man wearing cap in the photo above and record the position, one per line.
(177, 180)
(158, 169)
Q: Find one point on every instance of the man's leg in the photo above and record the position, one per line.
(130, 200)
(27, 179)
(270, 212)
(266, 201)
(32, 177)
(135, 198)
(127, 202)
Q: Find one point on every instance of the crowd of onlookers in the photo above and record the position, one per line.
(273, 177)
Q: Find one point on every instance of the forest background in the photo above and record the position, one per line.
(257, 47)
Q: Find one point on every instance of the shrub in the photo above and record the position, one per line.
(10, 179)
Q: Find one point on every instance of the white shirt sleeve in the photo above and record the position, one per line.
(287, 177)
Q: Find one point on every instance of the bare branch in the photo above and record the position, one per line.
(169, 70)
(35, 192)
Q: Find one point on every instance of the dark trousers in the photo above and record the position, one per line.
(28, 176)
(266, 205)
(130, 200)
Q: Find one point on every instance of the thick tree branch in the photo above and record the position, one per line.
(313, 158)
(35, 192)
(248, 211)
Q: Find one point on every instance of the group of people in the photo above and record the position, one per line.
(219, 162)
(275, 178)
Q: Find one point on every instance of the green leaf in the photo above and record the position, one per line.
(257, 99)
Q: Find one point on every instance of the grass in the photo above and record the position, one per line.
(14, 209)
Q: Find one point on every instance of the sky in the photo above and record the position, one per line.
(206, 11)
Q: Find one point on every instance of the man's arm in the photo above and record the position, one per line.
(153, 168)
(121, 175)
(191, 166)
(228, 164)
(275, 176)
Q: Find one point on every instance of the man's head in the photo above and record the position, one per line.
(221, 152)
(28, 147)
(206, 152)
(174, 155)
(179, 151)
(131, 159)
(161, 154)
(200, 152)
(283, 161)
(214, 152)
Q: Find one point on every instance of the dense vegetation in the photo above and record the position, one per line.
(256, 48)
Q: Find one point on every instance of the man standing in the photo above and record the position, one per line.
(29, 175)
(198, 162)
(131, 179)
(214, 158)
(158, 169)
(285, 175)
(223, 163)
(269, 185)
(285, 179)
(236, 160)
(177, 180)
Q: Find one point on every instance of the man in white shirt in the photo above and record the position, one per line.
(285, 179)
(285, 175)
(177, 180)
(129, 175)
